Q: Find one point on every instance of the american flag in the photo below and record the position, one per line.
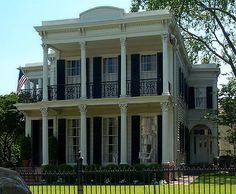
(21, 80)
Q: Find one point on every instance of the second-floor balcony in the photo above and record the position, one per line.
(109, 89)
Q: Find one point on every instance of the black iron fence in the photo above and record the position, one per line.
(133, 181)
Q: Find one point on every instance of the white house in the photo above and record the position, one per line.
(119, 87)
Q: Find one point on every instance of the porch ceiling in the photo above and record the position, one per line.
(111, 45)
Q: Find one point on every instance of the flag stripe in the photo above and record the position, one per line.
(21, 80)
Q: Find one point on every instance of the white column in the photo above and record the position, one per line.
(27, 125)
(165, 133)
(40, 83)
(45, 72)
(165, 41)
(123, 144)
(83, 70)
(123, 67)
(44, 112)
(83, 132)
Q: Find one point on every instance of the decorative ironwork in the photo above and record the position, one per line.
(72, 91)
(148, 87)
(110, 89)
(30, 95)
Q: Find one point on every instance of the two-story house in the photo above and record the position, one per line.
(119, 87)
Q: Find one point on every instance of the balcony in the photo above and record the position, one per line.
(109, 89)
(30, 95)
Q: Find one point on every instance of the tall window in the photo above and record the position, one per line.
(148, 63)
(72, 76)
(110, 77)
(110, 140)
(110, 65)
(148, 140)
(73, 139)
(200, 98)
(73, 72)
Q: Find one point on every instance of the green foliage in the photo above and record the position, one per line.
(208, 27)
(11, 129)
(52, 148)
(25, 147)
(227, 110)
(65, 168)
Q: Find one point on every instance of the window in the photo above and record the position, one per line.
(200, 98)
(73, 71)
(148, 140)
(110, 65)
(73, 139)
(110, 140)
(148, 63)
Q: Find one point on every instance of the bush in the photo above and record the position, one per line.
(225, 161)
(65, 168)
(52, 148)
(25, 147)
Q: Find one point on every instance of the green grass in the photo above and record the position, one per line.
(168, 189)
(220, 184)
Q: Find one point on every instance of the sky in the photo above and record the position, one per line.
(21, 44)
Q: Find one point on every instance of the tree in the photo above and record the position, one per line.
(227, 110)
(208, 27)
(11, 129)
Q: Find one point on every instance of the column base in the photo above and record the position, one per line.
(166, 94)
(169, 173)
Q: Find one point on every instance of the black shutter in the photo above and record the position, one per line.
(187, 145)
(97, 77)
(97, 140)
(88, 141)
(135, 75)
(191, 98)
(209, 97)
(36, 142)
(87, 78)
(60, 79)
(159, 139)
(119, 138)
(135, 144)
(182, 84)
(159, 73)
(61, 141)
(179, 81)
(50, 127)
(119, 75)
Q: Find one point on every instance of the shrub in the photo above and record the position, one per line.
(52, 148)
(25, 147)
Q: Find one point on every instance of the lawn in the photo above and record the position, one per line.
(205, 184)
(162, 189)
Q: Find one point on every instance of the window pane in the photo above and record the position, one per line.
(148, 63)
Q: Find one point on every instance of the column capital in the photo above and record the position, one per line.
(165, 106)
(45, 46)
(82, 44)
(165, 37)
(123, 107)
(44, 111)
(123, 41)
(83, 108)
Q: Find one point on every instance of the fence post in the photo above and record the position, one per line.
(80, 172)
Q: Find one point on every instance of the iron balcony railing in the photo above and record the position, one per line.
(108, 89)
(30, 95)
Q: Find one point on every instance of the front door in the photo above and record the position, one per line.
(201, 146)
